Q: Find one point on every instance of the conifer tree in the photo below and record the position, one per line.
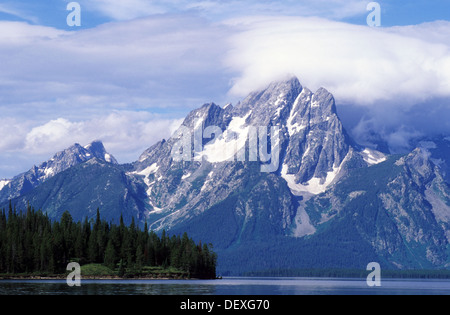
(110, 256)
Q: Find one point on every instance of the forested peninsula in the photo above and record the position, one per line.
(31, 245)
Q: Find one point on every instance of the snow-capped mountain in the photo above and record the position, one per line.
(314, 153)
(273, 182)
(61, 161)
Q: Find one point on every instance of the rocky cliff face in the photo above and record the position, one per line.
(400, 207)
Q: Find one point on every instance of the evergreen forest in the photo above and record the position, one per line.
(31, 243)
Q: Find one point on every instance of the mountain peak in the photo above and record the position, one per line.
(209, 114)
(95, 144)
(288, 83)
(61, 161)
(97, 149)
(325, 101)
(273, 93)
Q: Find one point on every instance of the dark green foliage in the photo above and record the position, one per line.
(31, 243)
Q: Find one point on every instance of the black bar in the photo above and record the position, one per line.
(219, 304)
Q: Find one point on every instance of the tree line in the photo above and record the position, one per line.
(30, 242)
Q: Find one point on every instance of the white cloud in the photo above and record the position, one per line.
(157, 62)
(399, 141)
(53, 133)
(357, 64)
(125, 134)
(15, 34)
(12, 134)
(58, 87)
(178, 60)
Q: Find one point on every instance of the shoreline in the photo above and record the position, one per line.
(165, 278)
(64, 277)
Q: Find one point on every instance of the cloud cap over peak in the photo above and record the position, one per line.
(358, 64)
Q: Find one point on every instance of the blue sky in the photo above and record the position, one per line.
(135, 68)
(53, 12)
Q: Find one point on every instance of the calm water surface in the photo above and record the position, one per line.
(227, 286)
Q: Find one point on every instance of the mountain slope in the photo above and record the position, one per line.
(391, 207)
(85, 187)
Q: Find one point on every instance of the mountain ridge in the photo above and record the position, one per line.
(75, 154)
(276, 172)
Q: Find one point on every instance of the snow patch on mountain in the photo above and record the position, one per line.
(147, 171)
(155, 208)
(314, 103)
(373, 157)
(315, 185)
(207, 182)
(4, 182)
(294, 128)
(49, 172)
(186, 176)
(281, 99)
(107, 157)
(232, 141)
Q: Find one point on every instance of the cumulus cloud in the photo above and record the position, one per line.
(125, 134)
(53, 132)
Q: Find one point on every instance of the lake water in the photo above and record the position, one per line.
(228, 286)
